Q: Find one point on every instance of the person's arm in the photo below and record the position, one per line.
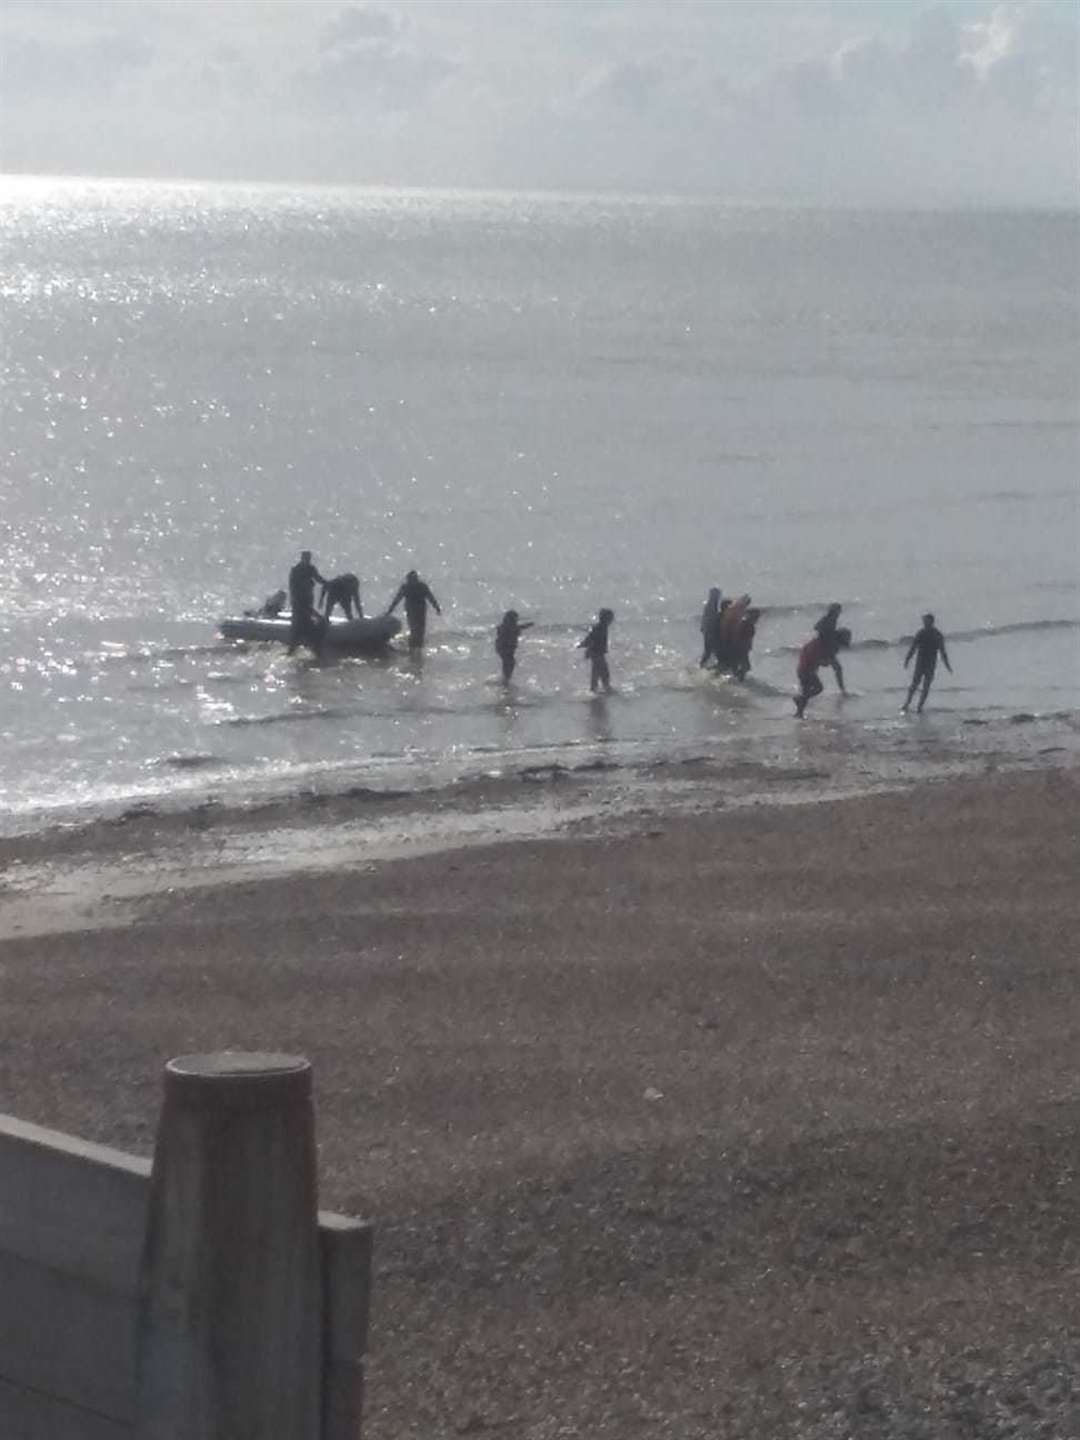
(526, 625)
(911, 651)
(944, 656)
(396, 600)
(839, 673)
(434, 602)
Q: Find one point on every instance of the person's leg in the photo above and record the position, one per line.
(927, 681)
(507, 668)
(417, 625)
(811, 685)
(315, 628)
(605, 673)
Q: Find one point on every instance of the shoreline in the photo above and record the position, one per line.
(758, 1122)
(93, 875)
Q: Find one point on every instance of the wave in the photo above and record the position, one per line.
(285, 717)
(1020, 627)
(196, 761)
(115, 654)
(985, 632)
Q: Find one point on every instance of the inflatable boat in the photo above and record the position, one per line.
(355, 637)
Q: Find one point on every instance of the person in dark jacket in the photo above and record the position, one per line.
(506, 641)
(417, 597)
(710, 626)
(743, 643)
(595, 645)
(927, 645)
(307, 624)
(343, 590)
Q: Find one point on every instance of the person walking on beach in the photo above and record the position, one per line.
(306, 623)
(927, 645)
(343, 590)
(815, 653)
(507, 635)
(595, 645)
(417, 597)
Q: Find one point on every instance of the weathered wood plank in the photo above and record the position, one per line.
(67, 1338)
(345, 1248)
(29, 1415)
(71, 1205)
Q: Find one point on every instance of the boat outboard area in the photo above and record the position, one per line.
(348, 637)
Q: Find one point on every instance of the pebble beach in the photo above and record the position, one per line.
(758, 1121)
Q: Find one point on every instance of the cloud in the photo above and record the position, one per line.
(1016, 55)
(368, 61)
(793, 98)
(35, 69)
(626, 85)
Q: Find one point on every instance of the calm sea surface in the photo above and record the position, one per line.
(549, 402)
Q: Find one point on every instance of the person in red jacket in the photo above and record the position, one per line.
(819, 651)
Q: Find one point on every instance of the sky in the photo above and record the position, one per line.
(891, 102)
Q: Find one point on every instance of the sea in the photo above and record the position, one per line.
(551, 402)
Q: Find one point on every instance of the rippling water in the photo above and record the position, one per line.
(547, 402)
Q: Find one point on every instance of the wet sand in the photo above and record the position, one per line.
(760, 1123)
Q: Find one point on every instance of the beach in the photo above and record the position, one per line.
(754, 1121)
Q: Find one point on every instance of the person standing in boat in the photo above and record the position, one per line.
(417, 596)
(343, 590)
(307, 624)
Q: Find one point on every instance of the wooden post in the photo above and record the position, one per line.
(230, 1301)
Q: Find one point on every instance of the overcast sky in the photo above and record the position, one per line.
(870, 100)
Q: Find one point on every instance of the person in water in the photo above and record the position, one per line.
(927, 645)
(343, 590)
(271, 607)
(595, 645)
(825, 628)
(743, 643)
(826, 631)
(307, 624)
(710, 626)
(417, 597)
(731, 618)
(819, 651)
(507, 635)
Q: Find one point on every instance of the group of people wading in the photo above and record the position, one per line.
(728, 628)
(308, 621)
(727, 631)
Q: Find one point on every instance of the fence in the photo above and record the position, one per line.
(202, 1298)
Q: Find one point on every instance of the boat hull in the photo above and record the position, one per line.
(355, 637)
